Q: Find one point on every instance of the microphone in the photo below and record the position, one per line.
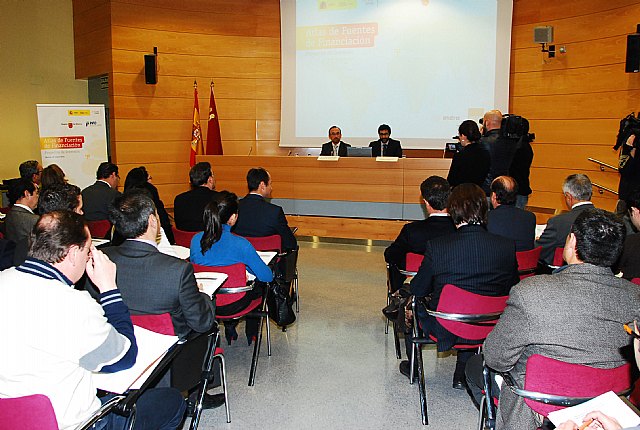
(250, 149)
(289, 154)
(456, 137)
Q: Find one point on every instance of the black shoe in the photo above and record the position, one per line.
(391, 310)
(211, 401)
(405, 369)
(459, 383)
(230, 333)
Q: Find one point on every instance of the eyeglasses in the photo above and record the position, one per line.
(632, 329)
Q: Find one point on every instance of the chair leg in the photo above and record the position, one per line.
(295, 282)
(490, 411)
(421, 387)
(204, 383)
(266, 320)
(223, 377)
(481, 415)
(396, 339)
(256, 349)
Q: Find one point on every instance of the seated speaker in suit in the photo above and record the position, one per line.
(257, 217)
(473, 161)
(97, 197)
(577, 196)
(506, 219)
(470, 258)
(188, 207)
(385, 146)
(336, 146)
(414, 236)
(217, 246)
(23, 198)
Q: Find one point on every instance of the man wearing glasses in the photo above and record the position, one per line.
(385, 146)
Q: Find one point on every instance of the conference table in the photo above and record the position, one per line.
(350, 197)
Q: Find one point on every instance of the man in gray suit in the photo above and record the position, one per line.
(577, 196)
(96, 197)
(575, 315)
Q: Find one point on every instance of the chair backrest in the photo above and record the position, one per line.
(558, 259)
(28, 413)
(636, 281)
(549, 376)
(266, 243)
(99, 229)
(528, 261)
(413, 261)
(183, 238)
(237, 277)
(454, 300)
(5, 210)
(160, 323)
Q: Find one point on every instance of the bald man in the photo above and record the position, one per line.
(506, 219)
(500, 150)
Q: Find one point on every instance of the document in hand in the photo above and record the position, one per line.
(151, 348)
(608, 403)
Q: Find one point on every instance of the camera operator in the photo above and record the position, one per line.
(629, 168)
(501, 150)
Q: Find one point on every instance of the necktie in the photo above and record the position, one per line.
(384, 149)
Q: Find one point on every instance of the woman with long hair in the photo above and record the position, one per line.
(217, 246)
(52, 174)
(471, 164)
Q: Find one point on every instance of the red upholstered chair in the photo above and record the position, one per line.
(5, 210)
(235, 287)
(462, 313)
(162, 324)
(183, 238)
(528, 261)
(32, 412)
(636, 281)
(99, 229)
(413, 262)
(266, 243)
(558, 259)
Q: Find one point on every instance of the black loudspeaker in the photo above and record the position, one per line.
(633, 53)
(150, 69)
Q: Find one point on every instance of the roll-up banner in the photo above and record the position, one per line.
(75, 138)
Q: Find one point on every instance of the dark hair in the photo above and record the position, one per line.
(470, 129)
(28, 169)
(200, 173)
(17, 188)
(216, 213)
(599, 237)
(106, 169)
(59, 197)
(334, 126)
(435, 190)
(579, 186)
(468, 203)
(56, 232)
(52, 174)
(384, 127)
(130, 212)
(633, 200)
(136, 178)
(506, 189)
(255, 176)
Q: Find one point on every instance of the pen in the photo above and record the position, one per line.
(586, 424)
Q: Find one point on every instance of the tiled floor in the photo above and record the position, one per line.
(335, 368)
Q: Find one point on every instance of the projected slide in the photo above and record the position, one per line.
(421, 66)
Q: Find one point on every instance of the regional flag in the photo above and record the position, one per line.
(214, 142)
(196, 130)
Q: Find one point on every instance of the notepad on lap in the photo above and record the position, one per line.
(608, 403)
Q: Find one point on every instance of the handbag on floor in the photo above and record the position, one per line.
(280, 303)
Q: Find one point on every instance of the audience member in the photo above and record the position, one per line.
(471, 164)
(139, 178)
(55, 336)
(31, 170)
(60, 197)
(629, 263)
(520, 169)
(500, 150)
(217, 246)
(470, 258)
(413, 237)
(335, 146)
(258, 217)
(52, 174)
(97, 197)
(577, 196)
(385, 146)
(23, 198)
(188, 207)
(507, 220)
(629, 168)
(575, 315)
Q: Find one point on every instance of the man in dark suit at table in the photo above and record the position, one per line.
(413, 237)
(188, 207)
(97, 197)
(152, 282)
(471, 259)
(577, 196)
(506, 219)
(257, 217)
(390, 147)
(336, 146)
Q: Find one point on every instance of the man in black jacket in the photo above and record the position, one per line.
(385, 146)
(189, 206)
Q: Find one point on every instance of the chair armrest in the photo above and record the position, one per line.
(465, 318)
(407, 272)
(527, 271)
(104, 410)
(231, 290)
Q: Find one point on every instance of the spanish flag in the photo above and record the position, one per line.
(196, 131)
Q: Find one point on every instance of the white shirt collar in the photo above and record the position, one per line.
(23, 207)
(581, 204)
(150, 242)
(438, 214)
(101, 180)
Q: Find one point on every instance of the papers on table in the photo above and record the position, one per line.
(608, 403)
(181, 251)
(151, 348)
(539, 229)
(98, 242)
(328, 158)
(211, 281)
(267, 256)
(387, 159)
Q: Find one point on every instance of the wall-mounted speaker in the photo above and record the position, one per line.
(151, 69)
(633, 54)
(543, 34)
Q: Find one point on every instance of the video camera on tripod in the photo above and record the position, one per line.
(629, 125)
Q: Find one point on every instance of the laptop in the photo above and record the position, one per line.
(359, 152)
